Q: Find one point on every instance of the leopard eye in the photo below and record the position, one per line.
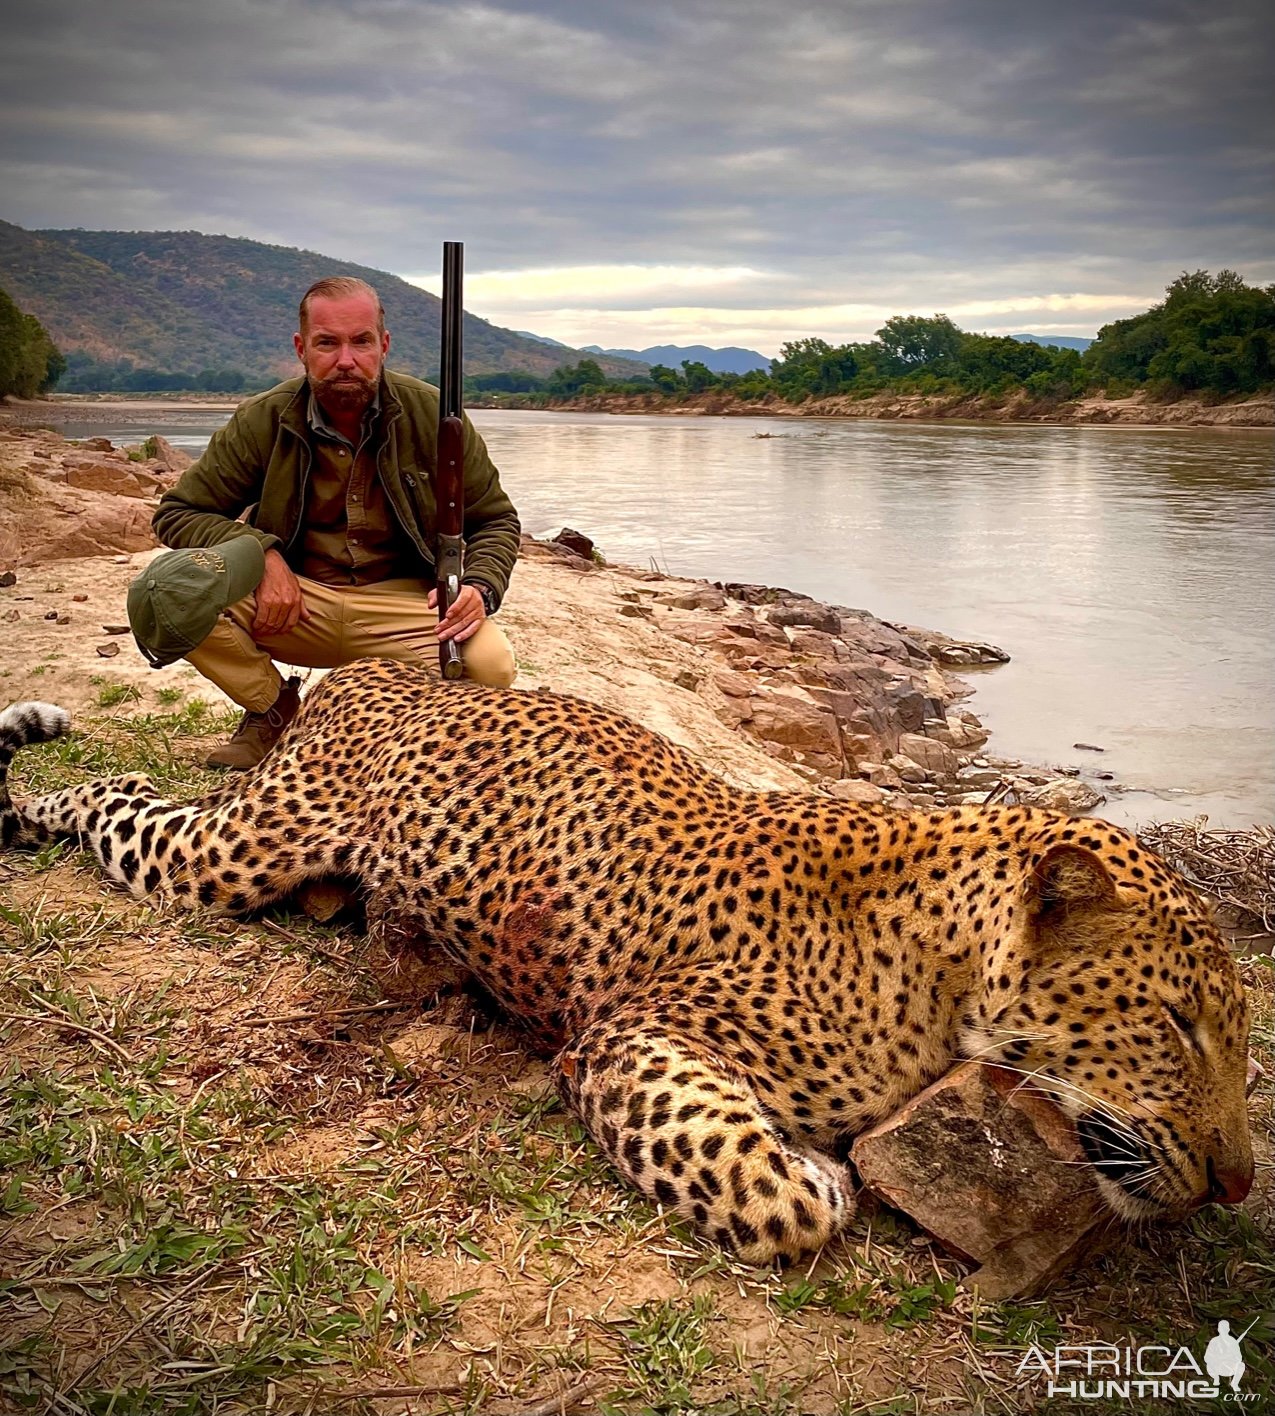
(1184, 1025)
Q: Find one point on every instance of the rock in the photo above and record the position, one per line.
(104, 477)
(907, 705)
(848, 789)
(13, 616)
(815, 644)
(6, 579)
(795, 721)
(1088, 747)
(96, 444)
(734, 685)
(705, 597)
(61, 619)
(52, 615)
(759, 594)
(907, 769)
(108, 651)
(686, 679)
(172, 459)
(1062, 794)
(80, 599)
(637, 611)
(959, 653)
(115, 628)
(937, 759)
(150, 484)
(880, 775)
(575, 541)
(986, 777)
(808, 614)
(763, 633)
(994, 1171)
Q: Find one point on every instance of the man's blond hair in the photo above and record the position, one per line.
(335, 287)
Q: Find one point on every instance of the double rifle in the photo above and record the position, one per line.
(449, 475)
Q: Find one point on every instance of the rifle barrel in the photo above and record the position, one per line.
(450, 372)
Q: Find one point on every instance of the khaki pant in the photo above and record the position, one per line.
(390, 620)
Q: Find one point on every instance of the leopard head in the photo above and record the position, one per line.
(1113, 990)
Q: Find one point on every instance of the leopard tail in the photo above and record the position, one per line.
(20, 726)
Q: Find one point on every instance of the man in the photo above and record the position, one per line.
(331, 474)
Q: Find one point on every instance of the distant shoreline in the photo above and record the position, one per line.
(1095, 410)
(1135, 411)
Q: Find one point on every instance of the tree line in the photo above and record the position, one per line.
(30, 363)
(1212, 335)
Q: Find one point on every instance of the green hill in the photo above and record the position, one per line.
(183, 301)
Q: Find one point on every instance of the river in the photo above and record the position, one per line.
(1125, 570)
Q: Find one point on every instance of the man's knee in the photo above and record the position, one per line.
(489, 659)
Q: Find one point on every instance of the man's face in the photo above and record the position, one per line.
(343, 352)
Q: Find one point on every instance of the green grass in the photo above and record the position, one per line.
(111, 695)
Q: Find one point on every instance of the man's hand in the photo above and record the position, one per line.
(280, 606)
(465, 613)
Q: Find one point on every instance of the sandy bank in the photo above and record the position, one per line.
(1134, 411)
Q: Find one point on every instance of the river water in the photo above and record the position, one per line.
(1126, 571)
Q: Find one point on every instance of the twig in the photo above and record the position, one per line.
(322, 1013)
(563, 1404)
(430, 1389)
(66, 1023)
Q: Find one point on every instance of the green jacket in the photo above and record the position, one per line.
(260, 463)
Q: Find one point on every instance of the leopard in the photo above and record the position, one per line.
(732, 984)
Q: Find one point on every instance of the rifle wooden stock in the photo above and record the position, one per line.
(449, 475)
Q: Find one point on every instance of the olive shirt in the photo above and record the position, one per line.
(350, 536)
(262, 466)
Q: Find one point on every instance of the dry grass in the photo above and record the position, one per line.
(276, 1166)
(1235, 868)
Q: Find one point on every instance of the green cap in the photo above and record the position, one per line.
(174, 603)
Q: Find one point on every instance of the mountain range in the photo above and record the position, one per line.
(1059, 341)
(730, 360)
(184, 301)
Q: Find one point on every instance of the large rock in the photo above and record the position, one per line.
(172, 459)
(937, 759)
(114, 479)
(796, 721)
(1061, 795)
(44, 520)
(806, 614)
(575, 541)
(994, 1171)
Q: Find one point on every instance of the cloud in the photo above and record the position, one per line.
(644, 163)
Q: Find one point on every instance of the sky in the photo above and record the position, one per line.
(638, 172)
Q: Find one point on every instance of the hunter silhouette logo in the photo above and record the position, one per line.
(1102, 1372)
(1223, 1357)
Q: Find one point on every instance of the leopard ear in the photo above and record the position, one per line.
(1070, 877)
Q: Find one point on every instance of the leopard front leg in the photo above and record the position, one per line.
(687, 1129)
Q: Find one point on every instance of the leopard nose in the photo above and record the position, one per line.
(1227, 1186)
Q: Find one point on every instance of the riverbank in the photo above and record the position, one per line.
(1134, 411)
(1137, 410)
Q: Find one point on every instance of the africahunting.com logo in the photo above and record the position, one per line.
(1104, 1372)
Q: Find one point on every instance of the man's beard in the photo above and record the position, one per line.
(345, 393)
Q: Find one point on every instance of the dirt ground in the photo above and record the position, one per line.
(562, 617)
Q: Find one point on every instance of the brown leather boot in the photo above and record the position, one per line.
(257, 733)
